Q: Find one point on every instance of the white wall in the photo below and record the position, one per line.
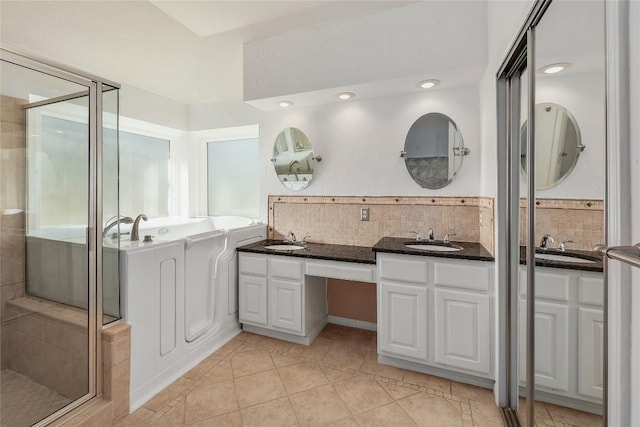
(360, 142)
(139, 104)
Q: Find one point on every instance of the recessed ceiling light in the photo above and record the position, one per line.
(285, 104)
(428, 84)
(346, 95)
(554, 68)
(60, 131)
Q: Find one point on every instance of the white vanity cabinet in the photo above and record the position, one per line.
(277, 299)
(569, 325)
(436, 312)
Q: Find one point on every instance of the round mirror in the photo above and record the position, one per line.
(433, 150)
(558, 145)
(293, 159)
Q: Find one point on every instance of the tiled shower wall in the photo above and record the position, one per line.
(567, 219)
(12, 201)
(337, 219)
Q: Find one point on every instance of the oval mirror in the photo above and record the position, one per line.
(558, 145)
(293, 159)
(433, 150)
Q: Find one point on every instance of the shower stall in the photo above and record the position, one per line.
(58, 285)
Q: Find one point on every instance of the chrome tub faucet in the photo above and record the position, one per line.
(115, 220)
(136, 224)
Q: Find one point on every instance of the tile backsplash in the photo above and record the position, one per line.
(567, 219)
(336, 219)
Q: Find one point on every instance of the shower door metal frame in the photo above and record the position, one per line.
(94, 85)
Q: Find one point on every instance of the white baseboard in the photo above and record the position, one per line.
(360, 324)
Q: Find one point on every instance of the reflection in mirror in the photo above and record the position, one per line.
(558, 145)
(293, 159)
(433, 150)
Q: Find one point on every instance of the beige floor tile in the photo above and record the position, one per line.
(318, 406)
(572, 416)
(274, 345)
(173, 418)
(429, 381)
(345, 422)
(170, 393)
(371, 366)
(301, 376)
(430, 410)
(384, 416)
(337, 375)
(203, 367)
(252, 339)
(141, 417)
(485, 414)
(361, 394)
(316, 351)
(345, 356)
(220, 373)
(279, 360)
(209, 401)
(228, 348)
(251, 362)
(278, 412)
(258, 388)
(232, 419)
(472, 392)
(540, 409)
(397, 392)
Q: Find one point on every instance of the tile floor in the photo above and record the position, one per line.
(336, 381)
(24, 402)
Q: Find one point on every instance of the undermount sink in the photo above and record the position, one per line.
(564, 258)
(284, 247)
(434, 247)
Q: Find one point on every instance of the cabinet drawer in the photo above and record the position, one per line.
(457, 275)
(402, 268)
(591, 290)
(285, 268)
(548, 285)
(250, 264)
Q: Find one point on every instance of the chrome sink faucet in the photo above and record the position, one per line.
(136, 224)
(561, 245)
(545, 241)
(431, 235)
(446, 237)
(115, 220)
(418, 235)
(291, 238)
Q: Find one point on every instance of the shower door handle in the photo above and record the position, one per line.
(627, 254)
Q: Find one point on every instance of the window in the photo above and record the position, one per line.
(144, 175)
(232, 178)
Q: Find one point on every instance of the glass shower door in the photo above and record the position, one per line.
(48, 250)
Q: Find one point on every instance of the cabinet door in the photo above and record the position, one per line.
(590, 353)
(402, 320)
(252, 295)
(552, 344)
(285, 305)
(462, 330)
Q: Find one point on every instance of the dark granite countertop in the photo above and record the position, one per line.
(470, 250)
(347, 253)
(594, 256)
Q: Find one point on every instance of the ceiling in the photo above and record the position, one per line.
(187, 51)
(206, 18)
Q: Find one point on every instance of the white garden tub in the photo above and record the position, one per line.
(180, 295)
